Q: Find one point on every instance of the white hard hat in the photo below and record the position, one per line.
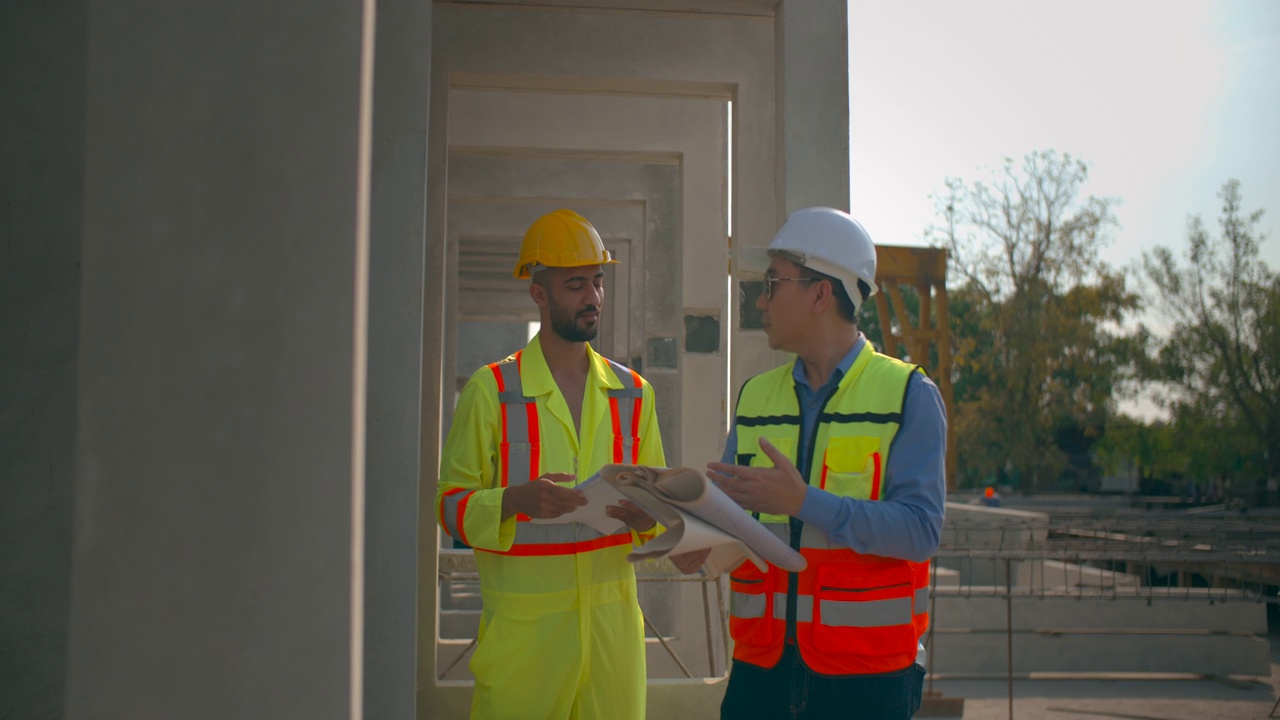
(827, 240)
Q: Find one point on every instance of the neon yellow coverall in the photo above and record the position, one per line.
(561, 635)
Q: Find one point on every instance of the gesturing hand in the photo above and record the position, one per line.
(778, 490)
(542, 498)
(631, 514)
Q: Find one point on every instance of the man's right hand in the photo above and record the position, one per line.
(542, 498)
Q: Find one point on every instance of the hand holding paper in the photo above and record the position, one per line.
(698, 516)
(542, 498)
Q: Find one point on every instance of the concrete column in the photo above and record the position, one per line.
(42, 82)
(402, 75)
(813, 104)
(218, 556)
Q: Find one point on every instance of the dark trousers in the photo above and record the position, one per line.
(791, 691)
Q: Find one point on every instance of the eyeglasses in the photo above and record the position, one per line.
(769, 283)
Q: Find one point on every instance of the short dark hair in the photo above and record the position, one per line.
(848, 311)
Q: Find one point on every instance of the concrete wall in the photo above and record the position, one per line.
(218, 553)
(1140, 630)
(208, 163)
(401, 90)
(42, 125)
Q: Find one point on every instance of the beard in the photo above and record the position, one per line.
(565, 324)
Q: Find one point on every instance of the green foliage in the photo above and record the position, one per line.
(1220, 363)
(1036, 319)
(1152, 449)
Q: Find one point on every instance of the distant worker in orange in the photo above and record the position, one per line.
(990, 497)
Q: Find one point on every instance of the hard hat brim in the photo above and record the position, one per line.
(757, 259)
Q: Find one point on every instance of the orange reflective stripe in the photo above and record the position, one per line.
(452, 508)
(635, 421)
(875, 478)
(526, 435)
(567, 548)
(502, 474)
(617, 430)
(532, 430)
(444, 499)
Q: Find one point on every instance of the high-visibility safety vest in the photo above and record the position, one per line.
(561, 633)
(853, 614)
(520, 455)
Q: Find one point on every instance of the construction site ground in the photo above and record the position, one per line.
(1207, 699)
(1122, 697)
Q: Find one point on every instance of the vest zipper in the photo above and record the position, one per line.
(797, 526)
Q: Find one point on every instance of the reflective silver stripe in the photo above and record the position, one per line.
(449, 513)
(528, 533)
(871, 613)
(626, 421)
(518, 459)
(845, 613)
(804, 607)
(742, 605)
(922, 600)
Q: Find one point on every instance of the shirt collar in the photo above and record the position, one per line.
(842, 368)
(535, 375)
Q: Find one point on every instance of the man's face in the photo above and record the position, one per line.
(574, 298)
(785, 303)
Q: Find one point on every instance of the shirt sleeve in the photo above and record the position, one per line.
(468, 496)
(907, 522)
(730, 456)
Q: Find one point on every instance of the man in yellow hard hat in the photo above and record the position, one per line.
(561, 634)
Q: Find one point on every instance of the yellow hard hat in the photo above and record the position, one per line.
(561, 238)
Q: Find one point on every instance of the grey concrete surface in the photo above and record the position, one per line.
(218, 537)
(1228, 698)
(393, 432)
(42, 124)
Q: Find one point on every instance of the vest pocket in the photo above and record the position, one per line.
(851, 467)
(864, 608)
(751, 606)
(786, 444)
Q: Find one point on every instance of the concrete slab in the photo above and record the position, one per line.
(1164, 699)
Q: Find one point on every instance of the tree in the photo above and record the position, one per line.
(1036, 320)
(1221, 360)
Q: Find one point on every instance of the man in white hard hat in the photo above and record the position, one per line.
(840, 452)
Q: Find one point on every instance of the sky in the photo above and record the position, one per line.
(1166, 101)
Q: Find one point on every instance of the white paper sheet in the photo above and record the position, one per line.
(694, 513)
(600, 494)
(698, 515)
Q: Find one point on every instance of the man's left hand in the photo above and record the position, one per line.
(778, 490)
(631, 514)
